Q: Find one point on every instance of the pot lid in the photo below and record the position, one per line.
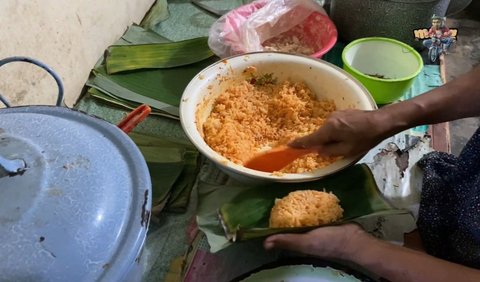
(80, 210)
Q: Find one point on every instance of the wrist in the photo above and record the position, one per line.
(364, 249)
(397, 117)
(384, 124)
(355, 241)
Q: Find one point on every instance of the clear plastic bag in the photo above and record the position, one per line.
(246, 28)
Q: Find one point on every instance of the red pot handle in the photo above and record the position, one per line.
(134, 118)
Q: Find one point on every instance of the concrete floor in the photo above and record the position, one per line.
(462, 58)
(68, 36)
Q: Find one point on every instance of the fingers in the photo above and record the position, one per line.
(326, 134)
(336, 149)
(344, 133)
(293, 242)
(307, 141)
(344, 149)
(316, 139)
(333, 149)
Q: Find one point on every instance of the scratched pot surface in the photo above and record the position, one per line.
(80, 210)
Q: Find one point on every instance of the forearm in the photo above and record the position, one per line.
(457, 99)
(396, 263)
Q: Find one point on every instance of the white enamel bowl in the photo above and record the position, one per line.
(325, 79)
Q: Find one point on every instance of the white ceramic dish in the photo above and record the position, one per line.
(326, 80)
(301, 273)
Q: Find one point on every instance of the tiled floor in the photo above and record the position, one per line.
(464, 56)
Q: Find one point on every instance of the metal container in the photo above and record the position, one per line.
(395, 19)
(75, 196)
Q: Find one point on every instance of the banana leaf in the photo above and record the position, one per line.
(165, 166)
(138, 35)
(121, 58)
(122, 103)
(161, 89)
(119, 87)
(247, 215)
(150, 140)
(180, 195)
(241, 212)
(183, 185)
(128, 105)
(185, 21)
(165, 163)
(158, 13)
(172, 170)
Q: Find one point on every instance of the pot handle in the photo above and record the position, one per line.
(134, 118)
(39, 64)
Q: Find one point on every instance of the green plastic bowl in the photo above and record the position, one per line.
(386, 67)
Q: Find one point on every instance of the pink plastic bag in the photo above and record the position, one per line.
(244, 29)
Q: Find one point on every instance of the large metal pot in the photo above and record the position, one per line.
(75, 195)
(395, 19)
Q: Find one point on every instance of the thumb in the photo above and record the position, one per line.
(293, 242)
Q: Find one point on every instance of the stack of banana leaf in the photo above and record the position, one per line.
(145, 68)
(173, 167)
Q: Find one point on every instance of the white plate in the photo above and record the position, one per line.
(301, 273)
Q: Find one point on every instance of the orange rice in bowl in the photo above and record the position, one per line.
(259, 112)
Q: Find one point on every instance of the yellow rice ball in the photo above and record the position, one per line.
(306, 208)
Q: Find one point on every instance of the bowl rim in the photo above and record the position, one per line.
(226, 164)
(389, 40)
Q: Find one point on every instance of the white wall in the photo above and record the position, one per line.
(67, 35)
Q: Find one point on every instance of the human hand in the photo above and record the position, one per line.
(346, 133)
(333, 242)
